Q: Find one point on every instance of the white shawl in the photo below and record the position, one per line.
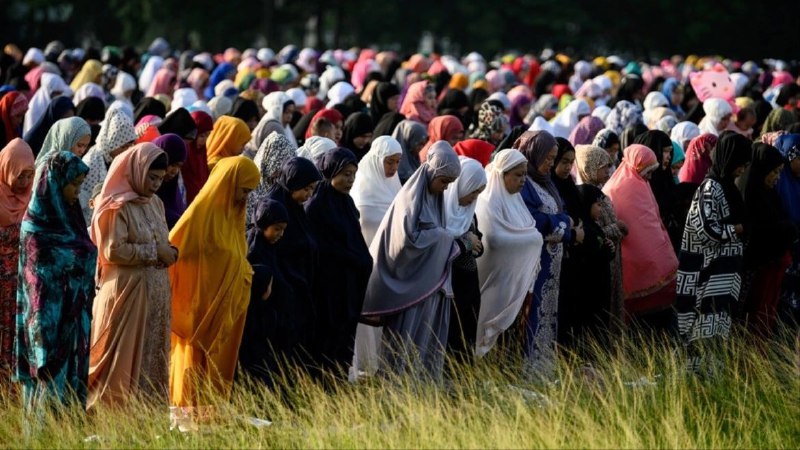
(512, 248)
(472, 178)
(372, 192)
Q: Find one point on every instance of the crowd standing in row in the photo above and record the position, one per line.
(169, 218)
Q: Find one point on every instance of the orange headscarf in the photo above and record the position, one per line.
(15, 158)
(210, 282)
(125, 182)
(228, 138)
(648, 260)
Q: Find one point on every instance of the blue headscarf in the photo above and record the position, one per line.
(220, 73)
(56, 110)
(789, 183)
(667, 89)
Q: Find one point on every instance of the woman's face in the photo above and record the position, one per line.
(677, 95)
(724, 122)
(390, 165)
(497, 136)
(17, 119)
(550, 113)
(677, 168)
(72, 190)
(597, 211)
(603, 174)
(288, 112)
(739, 171)
(23, 182)
(772, 178)
(338, 130)
(471, 197)
(666, 157)
(362, 141)
(274, 232)
(153, 181)
(252, 123)
(173, 170)
(524, 110)
(419, 145)
(430, 98)
(240, 196)
(439, 185)
(201, 140)
(547, 164)
(80, 147)
(613, 151)
(564, 166)
(343, 181)
(302, 195)
(392, 102)
(514, 179)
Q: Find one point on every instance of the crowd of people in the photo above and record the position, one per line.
(172, 221)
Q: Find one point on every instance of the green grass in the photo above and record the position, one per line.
(639, 397)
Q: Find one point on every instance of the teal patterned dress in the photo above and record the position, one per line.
(56, 289)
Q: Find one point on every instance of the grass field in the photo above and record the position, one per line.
(638, 397)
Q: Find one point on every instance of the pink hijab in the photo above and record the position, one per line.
(648, 260)
(15, 158)
(125, 182)
(414, 107)
(163, 83)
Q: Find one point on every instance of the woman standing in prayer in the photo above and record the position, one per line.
(210, 283)
(442, 128)
(711, 254)
(770, 234)
(345, 261)
(594, 165)
(273, 154)
(195, 170)
(54, 303)
(789, 191)
(13, 107)
(376, 186)
(460, 204)
(71, 134)
(409, 288)
(116, 136)
(169, 192)
(648, 260)
(226, 139)
(419, 104)
(412, 136)
(698, 159)
(297, 262)
(545, 205)
(280, 108)
(16, 181)
(513, 246)
(357, 134)
(262, 326)
(130, 320)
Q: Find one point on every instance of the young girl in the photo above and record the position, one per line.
(268, 223)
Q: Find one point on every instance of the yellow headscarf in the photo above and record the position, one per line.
(227, 138)
(459, 81)
(210, 282)
(88, 74)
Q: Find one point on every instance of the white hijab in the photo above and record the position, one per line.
(372, 192)
(339, 92)
(48, 84)
(472, 178)
(568, 119)
(183, 98)
(88, 90)
(148, 74)
(512, 248)
(316, 146)
(124, 83)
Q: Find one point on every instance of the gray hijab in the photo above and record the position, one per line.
(409, 134)
(412, 249)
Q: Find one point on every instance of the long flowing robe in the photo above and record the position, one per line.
(210, 284)
(409, 289)
(512, 248)
(54, 298)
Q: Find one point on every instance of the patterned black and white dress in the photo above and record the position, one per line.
(709, 278)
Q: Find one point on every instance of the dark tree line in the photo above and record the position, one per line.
(653, 28)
